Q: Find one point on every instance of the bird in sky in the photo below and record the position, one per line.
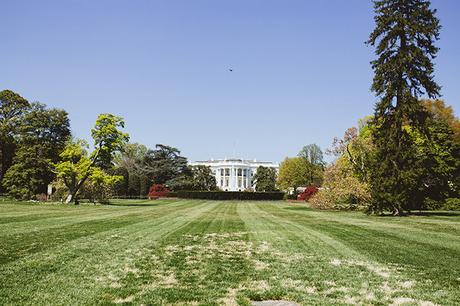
(230, 69)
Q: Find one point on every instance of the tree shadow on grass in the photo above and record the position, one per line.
(426, 213)
(133, 204)
(299, 208)
(438, 213)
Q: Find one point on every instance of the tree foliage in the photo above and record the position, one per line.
(404, 40)
(265, 179)
(296, 172)
(357, 147)
(41, 136)
(166, 166)
(99, 185)
(341, 189)
(313, 154)
(128, 163)
(441, 112)
(76, 167)
(12, 109)
(203, 179)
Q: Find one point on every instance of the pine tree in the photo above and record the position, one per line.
(404, 38)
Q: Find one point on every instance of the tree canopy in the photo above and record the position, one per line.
(76, 167)
(404, 38)
(166, 166)
(41, 136)
(265, 179)
(296, 172)
(12, 109)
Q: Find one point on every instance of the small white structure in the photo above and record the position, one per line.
(234, 174)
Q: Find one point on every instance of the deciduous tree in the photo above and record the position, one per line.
(313, 154)
(128, 163)
(41, 136)
(12, 108)
(76, 167)
(295, 172)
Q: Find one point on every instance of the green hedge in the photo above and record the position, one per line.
(228, 195)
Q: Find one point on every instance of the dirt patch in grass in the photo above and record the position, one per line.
(274, 303)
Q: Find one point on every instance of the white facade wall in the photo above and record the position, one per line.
(234, 174)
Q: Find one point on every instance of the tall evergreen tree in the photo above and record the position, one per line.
(404, 38)
(265, 179)
(203, 179)
(165, 165)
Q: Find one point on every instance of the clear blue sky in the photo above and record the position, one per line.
(301, 70)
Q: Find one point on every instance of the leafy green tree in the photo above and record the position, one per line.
(76, 167)
(99, 186)
(342, 188)
(296, 172)
(108, 139)
(203, 179)
(439, 159)
(441, 112)
(12, 108)
(404, 39)
(265, 179)
(41, 136)
(313, 154)
(128, 163)
(166, 166)
(358, 148)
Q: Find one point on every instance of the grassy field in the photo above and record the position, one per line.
(205, 252)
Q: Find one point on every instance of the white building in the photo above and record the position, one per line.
(234, 174)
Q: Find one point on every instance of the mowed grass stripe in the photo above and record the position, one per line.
(433, 261)
(302, 269)
(405, 229)
(49, 232)
(211, 253)
(435, 223)
(188, 266)
(74, 266)
(58, 214)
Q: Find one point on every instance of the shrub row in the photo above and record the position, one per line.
(228, 195)
(447, 204)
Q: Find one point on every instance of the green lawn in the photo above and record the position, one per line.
(209, 252)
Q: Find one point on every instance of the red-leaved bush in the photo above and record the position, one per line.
(307, 193)
(157, 191)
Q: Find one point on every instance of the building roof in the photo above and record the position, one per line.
(235, 160)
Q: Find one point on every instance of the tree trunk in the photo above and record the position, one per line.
(71, 196)
(73, 192)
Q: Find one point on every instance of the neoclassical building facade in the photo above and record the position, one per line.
(234, 174)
